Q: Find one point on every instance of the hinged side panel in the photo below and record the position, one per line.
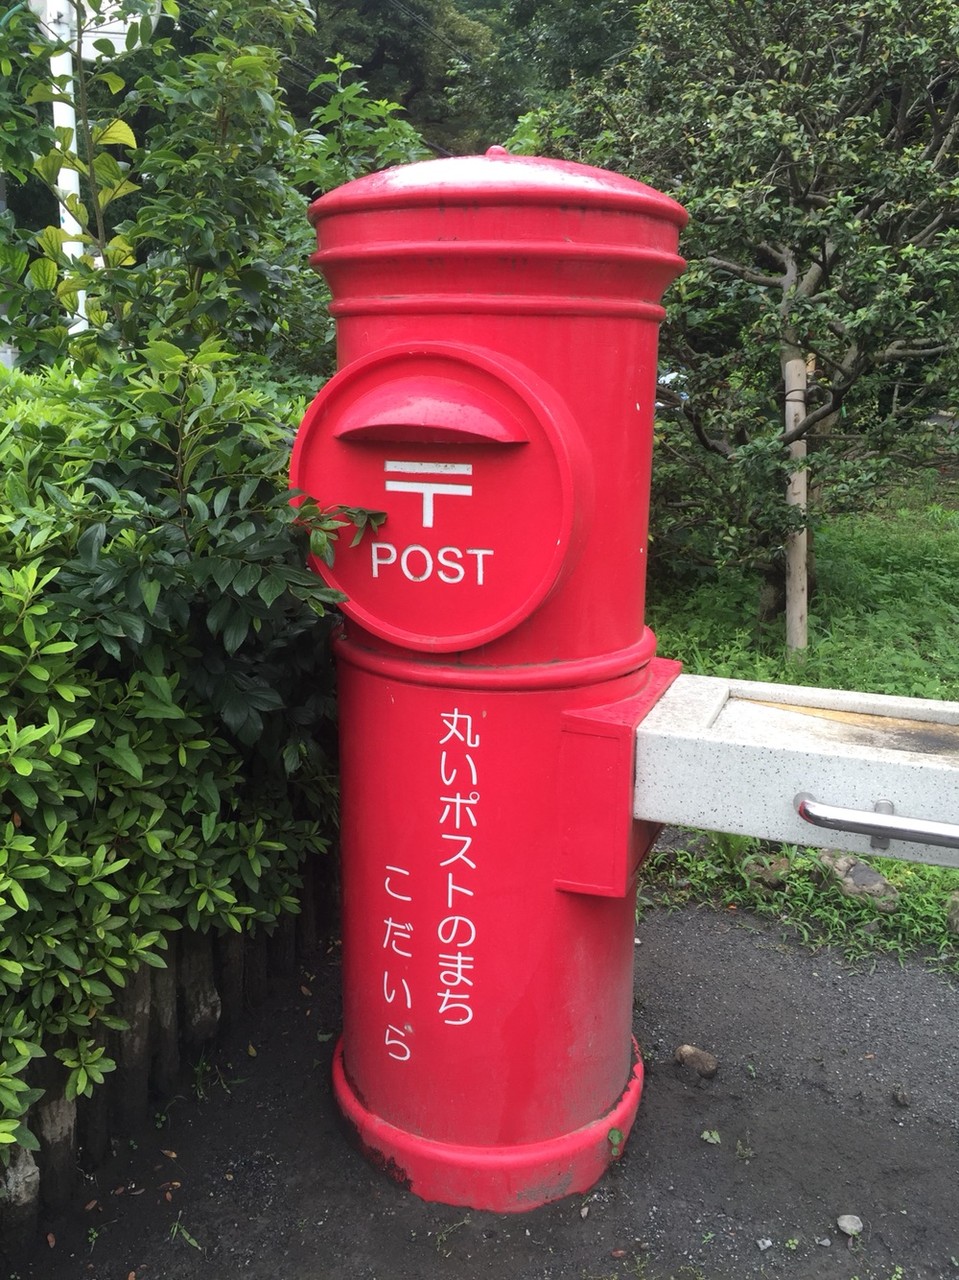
(601, 845)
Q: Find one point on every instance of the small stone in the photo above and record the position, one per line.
(824, 1241)
(900, 1097)
(770, 872)
(952, 912)
(849, 1224)
(764, 1244)
(858, 880)
(703, 1063)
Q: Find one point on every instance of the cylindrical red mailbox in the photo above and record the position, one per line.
(497, 323)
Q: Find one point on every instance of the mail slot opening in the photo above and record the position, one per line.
(430, 410)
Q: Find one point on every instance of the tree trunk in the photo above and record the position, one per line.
(797, 590)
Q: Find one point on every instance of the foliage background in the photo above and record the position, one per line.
(814, 146)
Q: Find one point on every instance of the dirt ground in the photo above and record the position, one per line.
(837, 1093)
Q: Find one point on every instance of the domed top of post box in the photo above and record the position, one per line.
(463, 225)
(494, 177)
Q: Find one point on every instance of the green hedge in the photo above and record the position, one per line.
(165, 688)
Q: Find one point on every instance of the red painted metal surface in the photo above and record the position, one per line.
(497, 323)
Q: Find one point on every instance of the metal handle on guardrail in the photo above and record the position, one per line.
(882, 826)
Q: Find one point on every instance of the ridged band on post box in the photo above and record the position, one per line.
(497, 325)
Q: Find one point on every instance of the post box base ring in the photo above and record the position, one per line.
(512, 1179)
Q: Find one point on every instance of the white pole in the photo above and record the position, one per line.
(59, 20)
(8, 352)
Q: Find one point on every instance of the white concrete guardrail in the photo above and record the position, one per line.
(862, 772)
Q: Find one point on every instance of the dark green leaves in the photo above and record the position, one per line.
(164, 686)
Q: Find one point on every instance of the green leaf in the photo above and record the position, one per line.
(108, 194)
(107, 169)
(224, 571)
(67, 955)
(26, 1139)
(270, 587)
(48, 167)
(23, 791)
(113, 82)
(164, 356)
(150, 591)
(125, 758)
(246, 579)
(18, 896)
(78, 729)
(115, 133)
(235, 631)
(91, 542)
(43, 273)
(77, 208)
(14, 260)
(50, 242)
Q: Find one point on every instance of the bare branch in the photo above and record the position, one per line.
(948, 141)
(850, 369)
(667, 397)
(746, 273)
(923, 238)
(826, 410)
(899, 351)
(815, 274)
(721, 447)
(943, 123)
(815, 200)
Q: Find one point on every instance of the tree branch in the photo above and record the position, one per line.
(922, 238)
(899, 351)
(773, 251)
(815, 275)
(708, 442)
(745, 273)
(948, 141)
(825, 410)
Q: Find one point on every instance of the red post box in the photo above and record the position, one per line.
(497, 323)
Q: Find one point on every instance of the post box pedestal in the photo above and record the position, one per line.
(497, 1179)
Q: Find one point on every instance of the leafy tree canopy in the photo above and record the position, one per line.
(815, 146)
(193, 182)
(539, 48)
(404, 49)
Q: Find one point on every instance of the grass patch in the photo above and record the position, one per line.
(884, 619)
(719, 870)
